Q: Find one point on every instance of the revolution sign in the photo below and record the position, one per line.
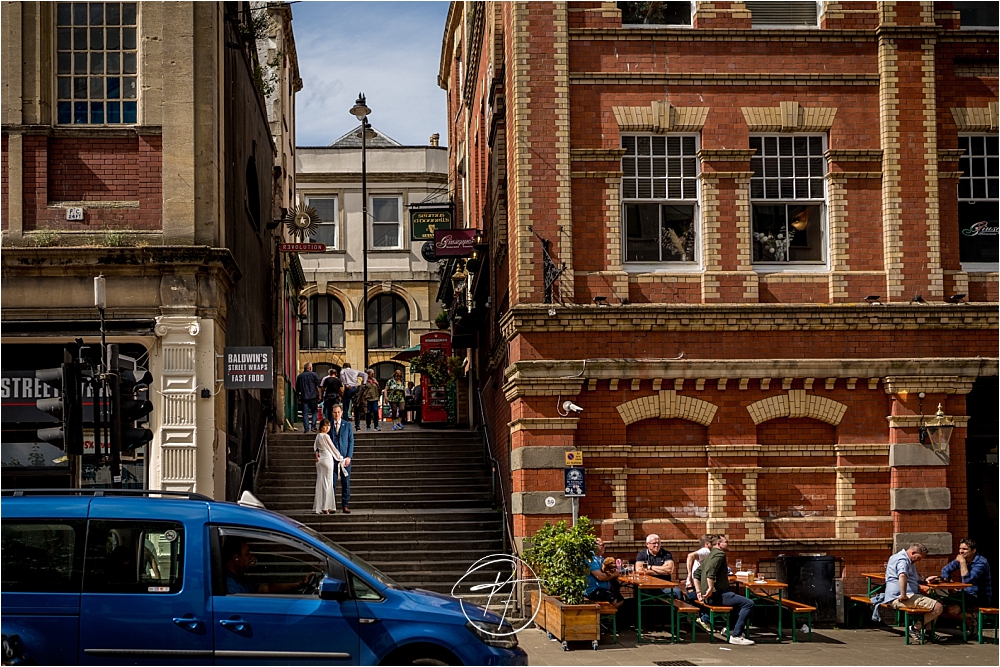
(249, 368)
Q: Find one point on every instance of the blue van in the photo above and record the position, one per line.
(112, 577)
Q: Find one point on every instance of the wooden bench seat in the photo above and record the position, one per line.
(908, 611)
(799, 609)
(682, 608)
(860, 598)
(988, 611)
(712, 611)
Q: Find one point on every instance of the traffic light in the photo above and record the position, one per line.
(67, 407)
(127, 409)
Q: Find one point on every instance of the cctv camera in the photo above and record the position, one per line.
(570, 406)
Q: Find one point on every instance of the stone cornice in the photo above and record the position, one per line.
(534, 318)
(942, 383)
(720, 78)
(567, 374)
(353, 179)
(665, 34)
(20, 262)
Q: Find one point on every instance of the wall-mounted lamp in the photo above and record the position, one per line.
(937, 431)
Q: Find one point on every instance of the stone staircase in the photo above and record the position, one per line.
(422, 506)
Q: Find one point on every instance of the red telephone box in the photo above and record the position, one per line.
(434, 400)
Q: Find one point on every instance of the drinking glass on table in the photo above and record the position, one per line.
(739, 565)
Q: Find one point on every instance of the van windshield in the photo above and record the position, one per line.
(362, 565)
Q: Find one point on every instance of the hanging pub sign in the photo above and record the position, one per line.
(425, 221)
(454, 242)
(249, 367)
(977, 223)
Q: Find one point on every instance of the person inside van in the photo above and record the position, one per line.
(238, 559)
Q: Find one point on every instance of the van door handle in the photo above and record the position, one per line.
(367, 621)
(188, 621)
(234, 623)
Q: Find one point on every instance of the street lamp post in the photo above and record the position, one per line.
(360, 111)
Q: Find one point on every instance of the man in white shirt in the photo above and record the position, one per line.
(349, 377)
(693, 563)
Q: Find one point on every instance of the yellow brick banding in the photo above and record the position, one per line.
(667, 404)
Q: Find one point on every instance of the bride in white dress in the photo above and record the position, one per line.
(327, 459)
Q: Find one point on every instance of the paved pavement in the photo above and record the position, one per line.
(870, 646)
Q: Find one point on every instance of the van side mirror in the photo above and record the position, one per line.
(332, 589)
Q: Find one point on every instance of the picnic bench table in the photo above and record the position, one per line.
(651, 591)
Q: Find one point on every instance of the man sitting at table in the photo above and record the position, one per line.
(694, 561)
(902, 585)
(603, 586)
(975, 571)
(713, 577)
(659, 563)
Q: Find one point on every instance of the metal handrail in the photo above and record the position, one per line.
(261, 451)
(507, 518)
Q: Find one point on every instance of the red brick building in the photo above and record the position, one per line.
(792, 195)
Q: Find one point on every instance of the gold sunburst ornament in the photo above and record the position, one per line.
(303, 222)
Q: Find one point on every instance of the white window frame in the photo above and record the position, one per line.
(810, 266)
(664, 266)
(372, 222)
(646, 26)
(976, 267)
(104, 99)
(335, 223)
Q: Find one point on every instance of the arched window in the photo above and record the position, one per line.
(388, 321)
(324, 325)
(385, 369)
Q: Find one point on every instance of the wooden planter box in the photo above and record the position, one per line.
(567, 622)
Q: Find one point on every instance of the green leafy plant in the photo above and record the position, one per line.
(440, 369)
(442, 320)
(560, 556)
(118, 238)
(45, 238)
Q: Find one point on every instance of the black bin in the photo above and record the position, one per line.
(810, 580)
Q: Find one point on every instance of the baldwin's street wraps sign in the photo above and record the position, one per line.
(454, 242)
(425, 221)
(249, 367)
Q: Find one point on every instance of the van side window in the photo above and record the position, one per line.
(134, 557)
(254, 564)
(41, 556)
(363, 591)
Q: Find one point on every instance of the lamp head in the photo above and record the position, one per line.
(360, 110)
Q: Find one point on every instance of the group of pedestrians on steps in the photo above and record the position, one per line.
(358, 393)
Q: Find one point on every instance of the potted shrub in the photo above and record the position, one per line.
(559, 556)
(442, 321)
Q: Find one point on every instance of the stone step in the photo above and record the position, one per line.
(424, 539)
(306, 504)
(429, 558)
(364, 494)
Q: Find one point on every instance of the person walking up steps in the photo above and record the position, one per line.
(372, 392)
(307, 390)
(394, 394)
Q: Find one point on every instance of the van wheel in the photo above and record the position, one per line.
(429, 662)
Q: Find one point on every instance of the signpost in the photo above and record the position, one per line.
(575, 481)
(454, 242)
(249, 368)
(425, 221)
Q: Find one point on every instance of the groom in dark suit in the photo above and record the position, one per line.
(342, 434)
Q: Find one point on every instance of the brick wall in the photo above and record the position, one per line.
(123, 173)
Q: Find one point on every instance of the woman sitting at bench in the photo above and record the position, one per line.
(603, 586)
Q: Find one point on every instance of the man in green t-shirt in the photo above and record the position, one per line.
(713, 585)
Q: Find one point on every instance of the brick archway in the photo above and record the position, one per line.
(667, 405)
(797, 403)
